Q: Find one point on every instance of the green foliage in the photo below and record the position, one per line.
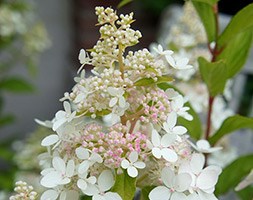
(240, 22)
(6, 119)
(207, 16)
(236, 52)
(233, 174)
(150, 81)
(209, 2)
(246, 193)
(145, 192)
(123, 3)
(194, 127)
(231, 124)
(16, 85)
(125, 186)
(214, 75)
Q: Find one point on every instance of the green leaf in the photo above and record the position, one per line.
(123, 3)
(210, 2)
(231, 124)
(233, 174)
(125, 186)
(236, 52)
(239, 23)
(246, 193)
(207, 16)
(214, 75)
(16, 85)
(145, 192)
(7, 119)
(150, 81)
(194, 127)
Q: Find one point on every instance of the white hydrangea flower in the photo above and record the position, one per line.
(203, 146)
(160, 146)
(89, 159)
(177, 106)
(132, 164)
(174, 187)
(166, 53)
(83, 58)
(118, 97)
(205, 179)
(59, 174)
(62, 194)
(104, 183)
(170, 126)
(62, 117)
(84, 181)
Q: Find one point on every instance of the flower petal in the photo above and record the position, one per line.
(179, 130)
(197, 163)
(178, 196)
(83, 167)
(59, 164)
(169, 155)
(172, 119)
(167, 177)
(160, 193)
(207, 179)
(203, 144)
(122, 102)
(113, 101)
(82, 153)
(133, 156)
(168, 139)
(125, 164)
(182, 182)
(95, 157)
(49, 194)
(140, 165)
(157, 153)
(112, 196)
(91, 190)
(51, 180)
(105, 180)
(70, 169)
(156, 138)
(132, 171)
(50, 140)
(206, 196)
(98, 197)
(82, 184)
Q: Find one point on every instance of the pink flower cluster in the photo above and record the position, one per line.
(114, 145)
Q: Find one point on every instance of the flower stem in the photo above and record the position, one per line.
(120, 59)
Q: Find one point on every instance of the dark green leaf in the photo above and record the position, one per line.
(125, 186)
(7, 119)
(1, 104)
(231, 124)
(16, 85)
(233, 174)
(194, 127)
(246, 193)
(239, 23)
(210, 2)
(207, 16)
(145, 192)
(214, 75)
(6, 153)
(123, 3)
(236, 52)
(150, 81)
